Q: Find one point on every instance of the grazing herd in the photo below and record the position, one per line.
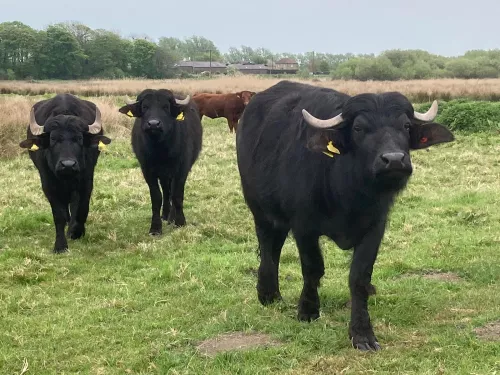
(311, 160)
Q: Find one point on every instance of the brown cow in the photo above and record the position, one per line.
(230, 106)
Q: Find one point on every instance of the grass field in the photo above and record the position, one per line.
(121, 302)
(416, 90)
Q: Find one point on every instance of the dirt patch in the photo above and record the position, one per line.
(235, 341)
(442, 276)
(489, 332)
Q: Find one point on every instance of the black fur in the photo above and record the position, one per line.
(165, 155)
(289, 184)
(66, 137)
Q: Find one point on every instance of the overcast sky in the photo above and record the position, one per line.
(445, 27)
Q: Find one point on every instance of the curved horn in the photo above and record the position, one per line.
(183, 102)
(322, 124)
(129, 101)
(34, 127)
(429, 115)
(97, 125)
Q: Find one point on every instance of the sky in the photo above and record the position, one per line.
(444, 27)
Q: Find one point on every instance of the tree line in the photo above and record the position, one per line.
(75, 51)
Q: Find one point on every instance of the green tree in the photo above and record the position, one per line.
(379, 68)
(198, 48)
(167, 55)
(17, 45)
(324, 67)
(143, 59)
(59, 55)
(108, 55)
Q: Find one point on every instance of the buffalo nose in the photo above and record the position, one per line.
(68, 163)
(154, 124)
(393, 159)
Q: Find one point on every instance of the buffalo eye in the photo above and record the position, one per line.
(145, 107)
(357, 128)
(407, 126)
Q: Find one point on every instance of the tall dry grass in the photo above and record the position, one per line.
(14, 118)
(14, 109)
(417, 90)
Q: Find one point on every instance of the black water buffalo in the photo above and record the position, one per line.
(63, 138)
(336, 177)
(166, 139)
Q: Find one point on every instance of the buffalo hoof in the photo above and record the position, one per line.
(60, 249)
(76, 231)
(308, 316)
(180, 223)
(177, 220)
(269, 298)
(155, 232)
(367, 343)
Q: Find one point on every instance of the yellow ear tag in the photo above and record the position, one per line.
(101, 146)
(34, 147)
(130, 114)
(332, 148)
(180, 117)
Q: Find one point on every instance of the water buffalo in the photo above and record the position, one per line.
(63, 138)
(166, 139)
(318, 162)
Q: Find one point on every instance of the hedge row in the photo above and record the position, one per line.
(467, 116)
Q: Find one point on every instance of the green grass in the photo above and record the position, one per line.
(121, 302)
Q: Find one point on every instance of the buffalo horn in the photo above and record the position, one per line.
(322, 124)
(130, 101)
(34, 127)
(96, 126)
(429, 115)
(183, 102)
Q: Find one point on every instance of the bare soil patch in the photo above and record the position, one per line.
(235, 341)
(489, 332)
(442, 276)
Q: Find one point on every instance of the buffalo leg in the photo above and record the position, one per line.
(313, 269)
(74, 204)
(166, 184)
(365, 254)
(155, 194)
(59, 212)
(271, 241)
(176, 214)
(81, 213)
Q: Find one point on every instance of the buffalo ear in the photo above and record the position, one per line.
(175, 109)
(131, 110)
(34, 143)
(425, 135)
(95, 139)
(329, 142)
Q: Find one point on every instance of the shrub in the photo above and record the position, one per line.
(467, 116)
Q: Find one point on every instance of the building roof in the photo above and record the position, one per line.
(249, 66)
(286, 60)
(200, 64)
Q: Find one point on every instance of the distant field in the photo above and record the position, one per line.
(418, 90)
(122, 302)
